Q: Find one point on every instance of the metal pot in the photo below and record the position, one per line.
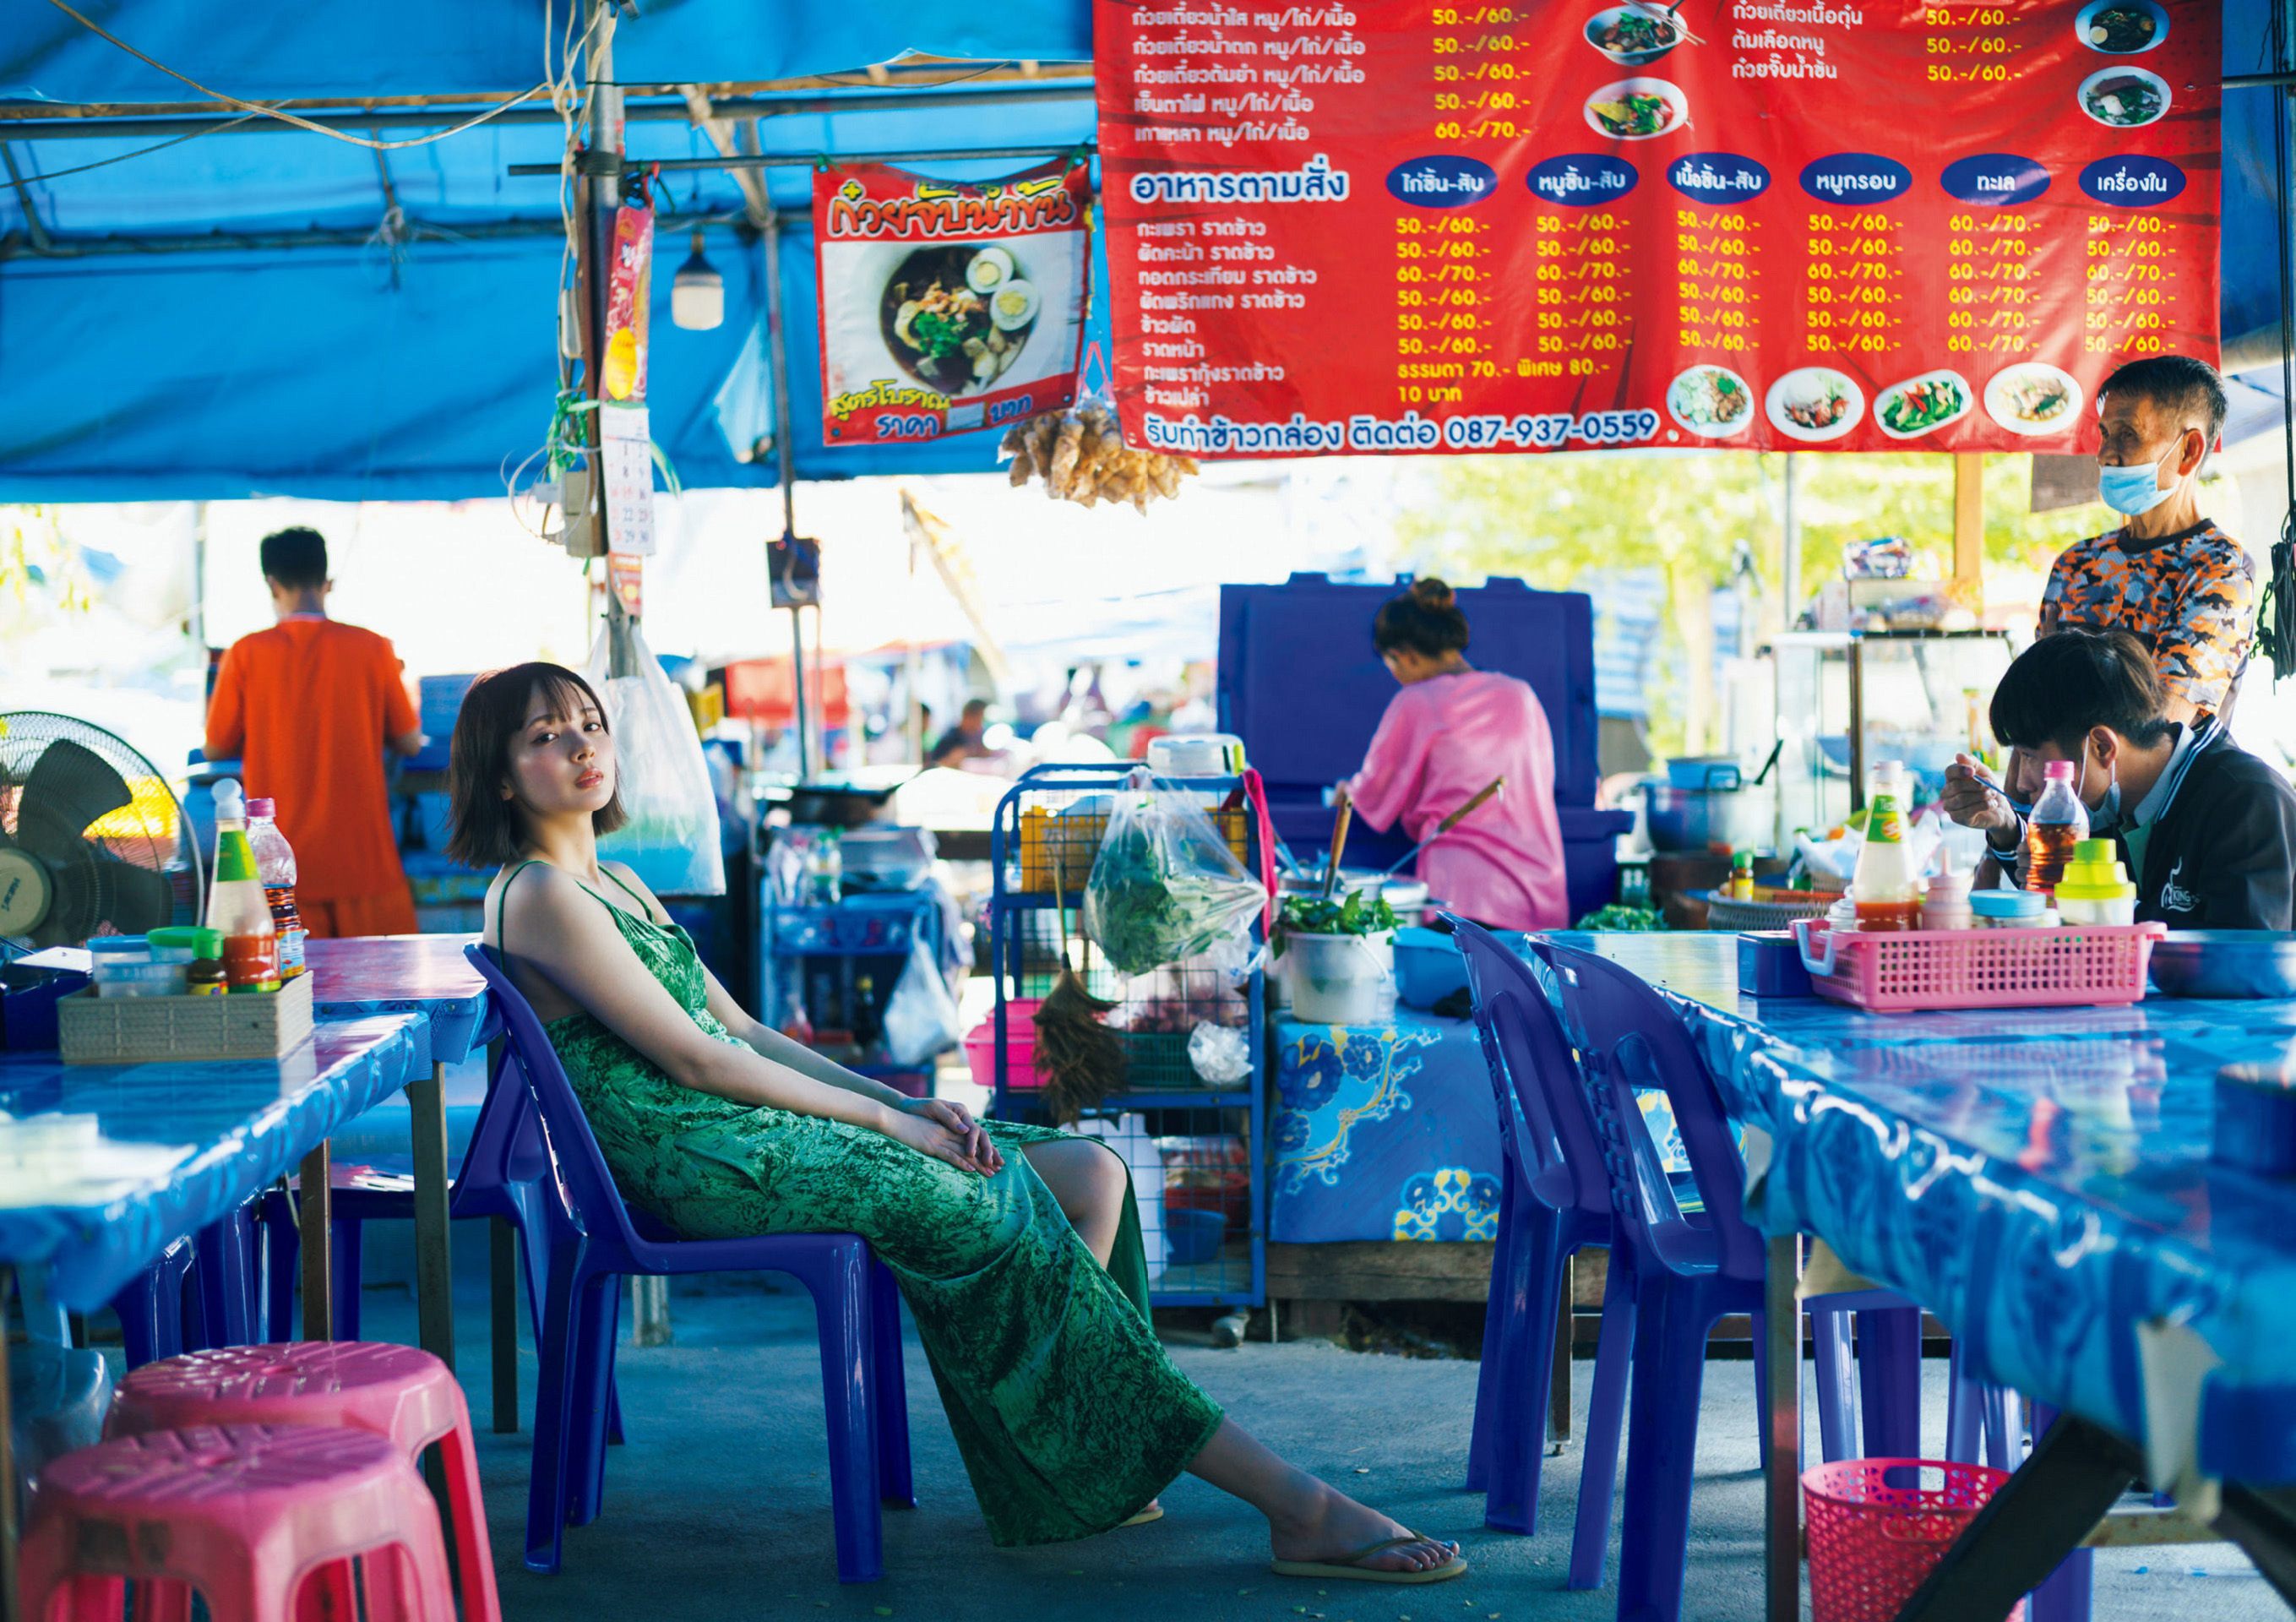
(1703, 819)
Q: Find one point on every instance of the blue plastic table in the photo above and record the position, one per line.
(426, 976)
(2040, 1179)
(108, 1165)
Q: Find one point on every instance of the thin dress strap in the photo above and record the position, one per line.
(502, 896)
(646, 909)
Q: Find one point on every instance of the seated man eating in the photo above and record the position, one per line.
(2208, 830)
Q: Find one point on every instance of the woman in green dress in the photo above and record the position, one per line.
(1017, 1247)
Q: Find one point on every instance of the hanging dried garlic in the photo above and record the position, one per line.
(1082, 457)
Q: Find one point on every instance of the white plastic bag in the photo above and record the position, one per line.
(671, 839)
(1221, 1054)
(921, 1018)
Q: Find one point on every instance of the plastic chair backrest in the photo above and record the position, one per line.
(1542, 1110)
(1628, 1038)
(506, 1143)
(588, 1198)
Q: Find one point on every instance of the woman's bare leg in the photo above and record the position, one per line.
(1306, 1519)
(1090, 1182)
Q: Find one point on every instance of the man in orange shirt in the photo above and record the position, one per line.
(308, 707)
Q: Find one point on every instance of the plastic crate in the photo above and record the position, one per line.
(91, 1029)
(1901, 971)
(1073, 836)
(1157, 1061)
(1873, 1540)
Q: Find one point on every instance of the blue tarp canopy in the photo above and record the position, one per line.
(273, 311)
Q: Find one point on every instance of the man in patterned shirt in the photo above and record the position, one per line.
(2181, 586)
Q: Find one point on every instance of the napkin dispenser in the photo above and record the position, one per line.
(1770, 965)
(29, 996)
(2256, 1119)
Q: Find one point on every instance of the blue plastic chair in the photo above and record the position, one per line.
(151, 1308)
(1554, 1201)
(593, 1241)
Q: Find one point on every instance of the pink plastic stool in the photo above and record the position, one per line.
(393, 1391)
(264, 1521)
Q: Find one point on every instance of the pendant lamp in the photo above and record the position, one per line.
(697, 293)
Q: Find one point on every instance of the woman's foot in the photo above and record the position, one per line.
(1333, 1528)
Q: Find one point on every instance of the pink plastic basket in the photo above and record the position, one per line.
(1020, 1046)
(1872, 1543)
(1896, 971)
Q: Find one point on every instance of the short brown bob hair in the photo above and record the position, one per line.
(485, 827)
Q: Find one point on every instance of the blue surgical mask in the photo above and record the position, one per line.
(2133, 490)
(2105, 820)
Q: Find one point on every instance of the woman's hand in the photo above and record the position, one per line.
(946, 1131)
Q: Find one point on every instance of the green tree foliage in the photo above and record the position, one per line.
(1553, 519)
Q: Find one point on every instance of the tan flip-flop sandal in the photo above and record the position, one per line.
(1154, 1511)
(1352, 1568)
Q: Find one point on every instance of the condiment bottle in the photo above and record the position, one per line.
(205, 977)
(2095, 888)
(1741, 876)
(236, 904)
(1887, 889)
(1947, 905)
(274, 864)
(2058, 823)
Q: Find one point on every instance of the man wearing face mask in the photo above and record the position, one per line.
(2168, 576)
(2207, 830)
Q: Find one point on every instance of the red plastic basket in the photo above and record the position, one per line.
(1888, 972)
(1871, 1542)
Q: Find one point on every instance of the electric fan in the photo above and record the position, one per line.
(92, 839)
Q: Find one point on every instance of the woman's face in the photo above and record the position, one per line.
(561, 765)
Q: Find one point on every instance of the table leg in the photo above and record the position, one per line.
(434, 1276)
(2032, 1521)
(503, 1288)
(11, 1600)
(315, 1211)
(1782, 1417)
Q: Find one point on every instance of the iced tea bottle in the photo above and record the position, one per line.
(2059, 822)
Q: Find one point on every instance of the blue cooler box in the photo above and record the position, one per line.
(1300, 684)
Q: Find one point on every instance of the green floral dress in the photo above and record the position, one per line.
(1069, 1414)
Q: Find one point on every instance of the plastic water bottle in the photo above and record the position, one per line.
(236, 904)
(274, 864)
(1887, 890)
(2058, 823)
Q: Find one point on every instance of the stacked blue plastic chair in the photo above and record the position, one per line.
(1555, 1200)
(593, 1242)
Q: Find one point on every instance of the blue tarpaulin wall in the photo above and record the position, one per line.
(424, 370)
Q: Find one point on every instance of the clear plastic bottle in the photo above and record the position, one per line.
(274, 864)
(2058, 823)
(236, 904)
(1887, 890)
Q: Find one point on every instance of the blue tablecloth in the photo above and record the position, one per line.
(2040, 1179)
(101, 1166)
(1383, 1132)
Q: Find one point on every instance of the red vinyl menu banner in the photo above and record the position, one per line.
(1765, 224)
(947, 306)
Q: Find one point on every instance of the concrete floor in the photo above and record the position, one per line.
(717, 1507)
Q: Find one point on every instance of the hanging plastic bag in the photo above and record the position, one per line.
(921, 1018)
(670, 839)
(1221, 1054)
(1165, 885)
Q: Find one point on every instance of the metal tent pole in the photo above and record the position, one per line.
(785, 464)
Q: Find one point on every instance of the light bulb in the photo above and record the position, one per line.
(697, 293)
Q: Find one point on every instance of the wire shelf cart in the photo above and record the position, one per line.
(1207, 1143)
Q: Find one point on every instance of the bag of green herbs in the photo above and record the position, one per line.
(1165, 885)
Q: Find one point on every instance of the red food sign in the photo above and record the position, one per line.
(1760, 223)
(629, 298)
(947, 306)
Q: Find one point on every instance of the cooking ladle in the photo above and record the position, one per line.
(1448, 822)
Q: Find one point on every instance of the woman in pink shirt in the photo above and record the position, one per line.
(1444, 737)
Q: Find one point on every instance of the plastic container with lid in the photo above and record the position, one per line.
(2095, 888)
(2008, 909)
